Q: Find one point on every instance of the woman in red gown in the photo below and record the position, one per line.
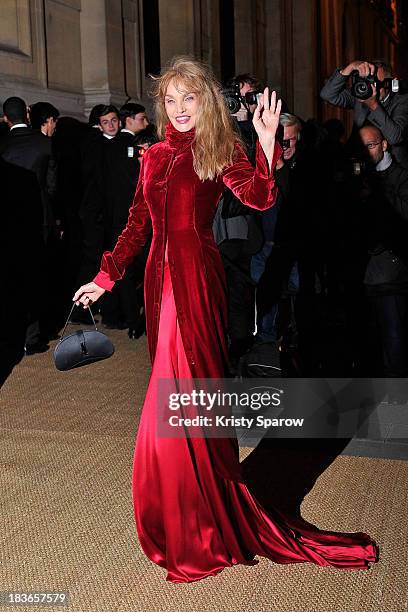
(194, 514)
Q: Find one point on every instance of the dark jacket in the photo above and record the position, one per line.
(91, 152)
(21, 233)
(233, 220)
(91, 207)
(391, 115)
(301, 183)
(120, 176)
(32, 150)
(297, 231)
(21, 238)
(387, 268)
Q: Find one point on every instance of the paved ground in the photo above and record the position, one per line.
(67, 447)
(383, 434)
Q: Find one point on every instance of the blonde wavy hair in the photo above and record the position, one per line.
(215, 135)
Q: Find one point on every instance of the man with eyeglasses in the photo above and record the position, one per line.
(386, 276)
(385, 109)
(287, 291)
(279, 232)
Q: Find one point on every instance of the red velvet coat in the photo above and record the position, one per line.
(179, 207)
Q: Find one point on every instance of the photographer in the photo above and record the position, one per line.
(373, 101)
(237, 229)
(245, 87)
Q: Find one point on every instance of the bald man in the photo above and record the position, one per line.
(376, 146)
(386, 277)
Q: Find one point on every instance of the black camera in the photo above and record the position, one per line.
(234, 99)
(252, 97)
(361, 87)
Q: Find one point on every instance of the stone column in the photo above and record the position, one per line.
(304, 59)
(274, 45)
(211, 39)
(176, 29)
(103, 52)
(134, 52)
(245, 19)
(95, 77)
(291, 53)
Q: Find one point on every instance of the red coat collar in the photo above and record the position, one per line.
(178, 140)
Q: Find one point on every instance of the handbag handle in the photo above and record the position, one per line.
(69, 316)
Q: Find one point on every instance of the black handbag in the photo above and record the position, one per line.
(82, 347)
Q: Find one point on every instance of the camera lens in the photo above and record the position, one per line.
(233, 103)
(361, 89)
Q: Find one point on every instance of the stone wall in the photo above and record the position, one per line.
(40, 52)
(77, 53)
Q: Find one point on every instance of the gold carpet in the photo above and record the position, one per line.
(67, 520)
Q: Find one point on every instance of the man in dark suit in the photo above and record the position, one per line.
(31, 150)
(121, 307)
(133, 118)
(4, 130)
(43, 117)
(103, 125)
(121, 168)
(238, 233)
(22, 241)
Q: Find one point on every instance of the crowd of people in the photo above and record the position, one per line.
(85, 176)
(322, 275)
(320, 279)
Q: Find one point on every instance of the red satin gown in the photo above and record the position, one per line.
(194, 514)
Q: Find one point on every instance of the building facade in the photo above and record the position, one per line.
(78, 53)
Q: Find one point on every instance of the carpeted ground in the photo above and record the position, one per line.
(67, 520)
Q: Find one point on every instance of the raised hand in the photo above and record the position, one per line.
(363, 68)
(266, 121)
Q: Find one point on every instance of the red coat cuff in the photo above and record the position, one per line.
(102, 280)
(262, 165)
(108, 272)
